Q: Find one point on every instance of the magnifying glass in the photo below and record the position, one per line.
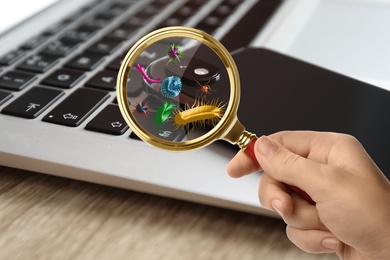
(178, 89)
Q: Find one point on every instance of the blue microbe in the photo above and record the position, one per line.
(171, 87)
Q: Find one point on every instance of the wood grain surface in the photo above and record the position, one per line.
(46, 217)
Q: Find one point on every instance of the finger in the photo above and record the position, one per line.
(325, 147)
(290, 168)
(304, 215)
(314, 241)
(241, 165)
(294, 210)
(275, 196)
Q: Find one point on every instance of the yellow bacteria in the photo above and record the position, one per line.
(199, 114)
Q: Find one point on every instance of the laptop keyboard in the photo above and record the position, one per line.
(69, 71)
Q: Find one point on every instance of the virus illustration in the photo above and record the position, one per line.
(200, 114)
(146, 77)
(163, 113)
(141, 109)
(174, 52)
(171, 87)
(204, 89)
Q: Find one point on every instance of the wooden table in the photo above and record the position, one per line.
(46, 217)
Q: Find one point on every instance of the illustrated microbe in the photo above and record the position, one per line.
(205, 89)
(146, 77)
(163, 113)
(174, 52)
(199, 114)
(141, 109)
(171, 87)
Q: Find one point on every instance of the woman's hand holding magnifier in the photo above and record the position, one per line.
(352, 196)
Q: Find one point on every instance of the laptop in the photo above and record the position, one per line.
(59, 62)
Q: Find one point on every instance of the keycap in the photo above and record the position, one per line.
(11, 57)
(105, 46)
(4, 96)
(115, 64)
(33, 102)
(34, 42)
(105, 79)
(73, 110)
(16, 80)
(181, 14)
(109, 121)
(123, 32)
(86, 61)
(60, 48)
(56, 28)
(80, 34)
(214, 19)
(39, 63)
(64, 78)
(114, 11)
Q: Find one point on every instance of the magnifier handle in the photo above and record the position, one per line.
(250, 151)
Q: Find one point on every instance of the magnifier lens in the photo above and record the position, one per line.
(178, 92)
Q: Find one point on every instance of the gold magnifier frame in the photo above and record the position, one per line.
(228, 128)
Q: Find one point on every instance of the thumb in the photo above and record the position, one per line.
(288, 167)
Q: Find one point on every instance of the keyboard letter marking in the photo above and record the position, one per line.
(32, 106)
(70, 116)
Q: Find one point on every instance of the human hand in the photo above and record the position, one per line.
(351, 215)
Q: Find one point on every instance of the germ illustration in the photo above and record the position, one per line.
(199, 114)
(174, 52)
(163, 113)
(204, 89)
(141, 109)
(171, 87)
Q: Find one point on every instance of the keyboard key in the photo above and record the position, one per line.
(11, 57)
(123, 32)
(76, 107)
(95, 22)
(109, 121)
(99, 21)
(149, 11)
(55, 29)
(60, 48)
(115, 64)
(4, 96)
(34, 42)
(214, 19)
(114, 11)
(181, 14)
(39, 63)
(33, 102)
(15, 80)
(105, 46)
(80, 34)
(105, 79)
(64, 78)
(86, 61)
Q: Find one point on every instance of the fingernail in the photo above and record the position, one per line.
(267, 147)
(330, 243)
(277, 206)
